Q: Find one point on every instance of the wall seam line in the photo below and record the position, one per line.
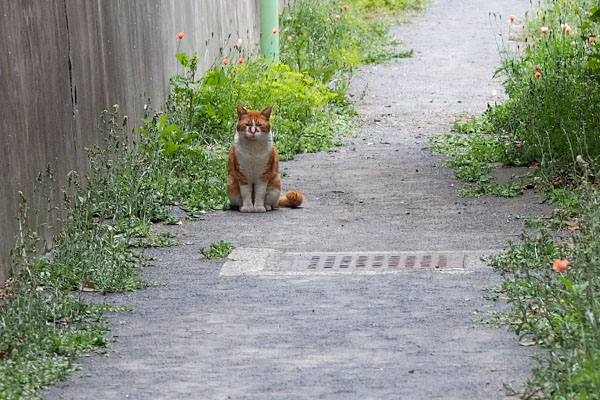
(73, 100)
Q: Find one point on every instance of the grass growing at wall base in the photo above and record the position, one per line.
(44, 322)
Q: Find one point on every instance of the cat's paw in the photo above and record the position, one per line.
(260, 209)
(247, 209)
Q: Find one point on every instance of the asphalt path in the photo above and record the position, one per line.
(295, 312)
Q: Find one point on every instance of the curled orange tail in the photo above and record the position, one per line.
(291, 199)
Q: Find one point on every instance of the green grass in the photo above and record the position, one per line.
(390, 6)
(554, 117)
(220, 249)
(559, 310)
(326, 41)
(475, 152)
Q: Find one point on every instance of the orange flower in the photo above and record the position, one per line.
(536, 68)
(241, 60)
(275, 31)
(180, 35)
(337, 16)
(346, 7)
(289, 38)
(544, 29)
(592, 39)
(560, 265)
(328, 19)
(568, 30)
(512, 18)
(226, 61)
(538, 75)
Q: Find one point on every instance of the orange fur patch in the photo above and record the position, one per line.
(291, 199)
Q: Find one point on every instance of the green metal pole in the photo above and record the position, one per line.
(269, 30)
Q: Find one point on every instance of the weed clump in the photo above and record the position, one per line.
(328, 39)
(553, 285)
(553, 113)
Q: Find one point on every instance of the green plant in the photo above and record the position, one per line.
(183, 171)
(475, 153)
(43, 324)
(559, 309)
(388, 6)
(220, 249)
(326, 40)
(42, 331)
(307, 116)
(553, 86)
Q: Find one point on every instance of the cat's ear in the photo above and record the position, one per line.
(267, 112)
(241, 111)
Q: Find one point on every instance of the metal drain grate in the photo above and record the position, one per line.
(271, 262)
(375, 261)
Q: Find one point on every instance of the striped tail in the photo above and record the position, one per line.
(291, 199)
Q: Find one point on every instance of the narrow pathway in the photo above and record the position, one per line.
(266, 326)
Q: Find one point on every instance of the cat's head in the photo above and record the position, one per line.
(253, 124)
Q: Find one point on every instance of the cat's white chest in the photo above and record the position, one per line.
(253, 158)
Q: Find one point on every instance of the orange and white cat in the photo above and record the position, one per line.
(253, 182)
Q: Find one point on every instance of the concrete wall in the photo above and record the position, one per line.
(64, 61)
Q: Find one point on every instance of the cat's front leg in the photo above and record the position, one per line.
(246, 193)
(260, 189)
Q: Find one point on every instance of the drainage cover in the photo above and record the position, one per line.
(375, 261)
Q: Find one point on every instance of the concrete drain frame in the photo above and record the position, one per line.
(253, 261)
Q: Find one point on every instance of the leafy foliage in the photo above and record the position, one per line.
(326, 40)
(304, 109)
(218, 250)
(559, 310)
(388, 6)
(554, 88)
(475, 153)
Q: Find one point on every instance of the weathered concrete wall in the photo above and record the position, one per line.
(64, 61)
